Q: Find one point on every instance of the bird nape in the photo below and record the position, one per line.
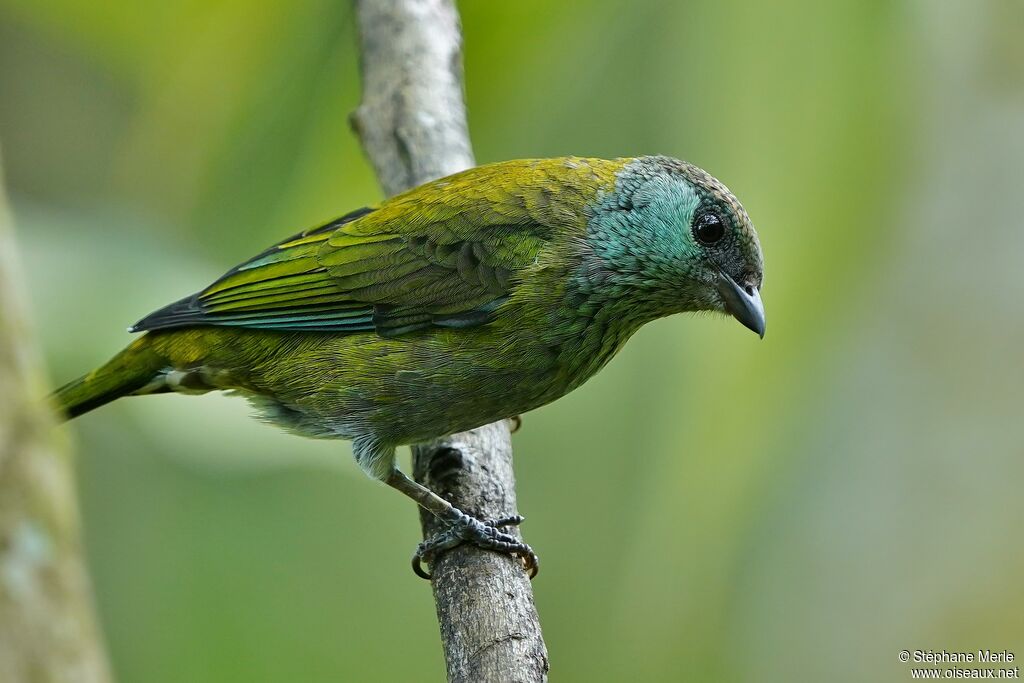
(466, 300)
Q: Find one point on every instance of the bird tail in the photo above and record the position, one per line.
(126, 373)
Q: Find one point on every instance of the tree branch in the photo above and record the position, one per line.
(412, 124)
(48, 632)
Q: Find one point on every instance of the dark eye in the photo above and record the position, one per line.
(708, 227)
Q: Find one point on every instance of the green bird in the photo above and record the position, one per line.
(466, 300)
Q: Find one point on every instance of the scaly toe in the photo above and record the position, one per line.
(511, 520)
(465, 529)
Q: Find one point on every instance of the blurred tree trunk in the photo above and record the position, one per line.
(48, 632)
(412, 124)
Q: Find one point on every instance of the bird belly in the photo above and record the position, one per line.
(402, 390)
(414, 405)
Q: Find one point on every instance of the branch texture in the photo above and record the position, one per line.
(48, 632)
(412, 124)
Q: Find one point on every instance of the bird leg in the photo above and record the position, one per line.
(461, 528)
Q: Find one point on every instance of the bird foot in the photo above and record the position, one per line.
(483, 534)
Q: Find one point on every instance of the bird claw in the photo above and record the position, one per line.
(483, 534)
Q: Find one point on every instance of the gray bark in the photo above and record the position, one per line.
(412, 124)
(48, 631)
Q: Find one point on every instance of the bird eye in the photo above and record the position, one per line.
(708, 227)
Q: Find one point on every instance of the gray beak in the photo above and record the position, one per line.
(744, 305)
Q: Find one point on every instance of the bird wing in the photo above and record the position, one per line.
(445, 254)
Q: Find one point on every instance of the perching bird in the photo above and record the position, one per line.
(466, 300)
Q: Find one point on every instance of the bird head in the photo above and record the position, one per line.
(676, 239)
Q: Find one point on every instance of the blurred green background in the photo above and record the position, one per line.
(709, 508)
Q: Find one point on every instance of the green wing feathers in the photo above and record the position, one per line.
(445, 254)
(282, 286)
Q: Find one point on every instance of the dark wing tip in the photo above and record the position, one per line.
(187, 311)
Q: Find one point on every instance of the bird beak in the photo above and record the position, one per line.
(744, 305)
